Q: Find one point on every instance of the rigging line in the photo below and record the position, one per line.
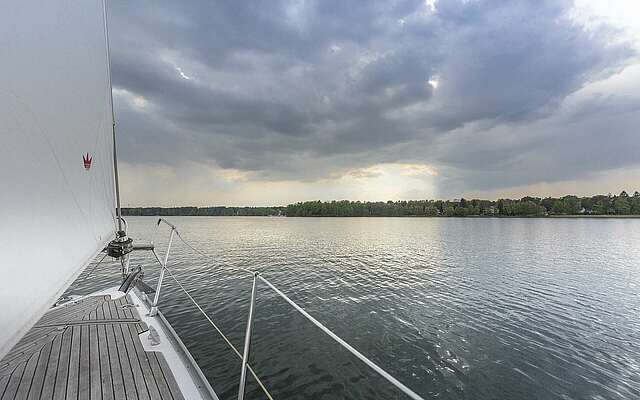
(211, 262)
(206, 255)
(344, 344)
(391, 379)
(113, 115)
(94, 267)
(264, 389)
(395, 382)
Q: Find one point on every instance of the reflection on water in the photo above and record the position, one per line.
(455, 308)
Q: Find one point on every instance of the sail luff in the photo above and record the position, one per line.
(116, 176)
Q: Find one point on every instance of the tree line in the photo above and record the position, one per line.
(622, 204)
(220, 211)
(528, 206)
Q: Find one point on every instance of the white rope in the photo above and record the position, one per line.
(94, 268)
(346, 345)
(395, 382)
(207, 256)
(264, 389)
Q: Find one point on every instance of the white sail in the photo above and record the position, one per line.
(54, 109)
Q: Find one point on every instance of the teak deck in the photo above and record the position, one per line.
(89, 349)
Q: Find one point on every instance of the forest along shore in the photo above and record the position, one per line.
(598, 206)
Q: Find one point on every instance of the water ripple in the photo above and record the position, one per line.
(455, 308)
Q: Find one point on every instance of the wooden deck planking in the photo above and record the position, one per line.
(106, 380)
(49, 382)
(23, 350)
(4, 381)
(14, 381)
(87, 350)
(132, 372)
(141, 384)
(143, 359)
(156, 369)
(114, 360)
(60, 390)
(66, 313)
(74, 363)
(27, 376)
(95, 385)
(39, 374)
(84, 387)
(171, 380)
(125, 364)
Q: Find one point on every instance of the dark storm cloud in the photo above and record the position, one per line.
(300, 90)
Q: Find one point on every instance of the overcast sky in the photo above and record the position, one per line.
(266, 103)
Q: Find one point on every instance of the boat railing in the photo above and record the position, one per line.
(244, 356)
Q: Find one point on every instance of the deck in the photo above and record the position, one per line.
(98, 348)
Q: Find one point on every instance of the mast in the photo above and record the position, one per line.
(121, 245)
(113, 117)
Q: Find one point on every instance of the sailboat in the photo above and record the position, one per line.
(61, 210)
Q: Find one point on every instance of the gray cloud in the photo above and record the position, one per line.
(302, 90)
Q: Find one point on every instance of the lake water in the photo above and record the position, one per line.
(454, 308)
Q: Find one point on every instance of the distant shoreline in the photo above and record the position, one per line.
(596, 216)
(598, 206)
(410, 216)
